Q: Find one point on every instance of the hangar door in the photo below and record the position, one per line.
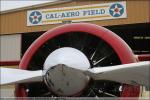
(10, 48)
(135, 35)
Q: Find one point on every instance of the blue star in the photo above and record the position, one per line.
(35, 17)
(116, 10)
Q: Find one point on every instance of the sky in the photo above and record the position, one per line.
(13, 4)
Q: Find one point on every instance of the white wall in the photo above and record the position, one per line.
(10, 47)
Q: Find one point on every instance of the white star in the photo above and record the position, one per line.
(116, 10)
(35, 17)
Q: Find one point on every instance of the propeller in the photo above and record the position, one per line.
(67, 72)
(10, 76)
(133, 73)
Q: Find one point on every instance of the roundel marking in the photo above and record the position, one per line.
(116, 10)
(35, 17)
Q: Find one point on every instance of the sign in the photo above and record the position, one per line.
(93, 12)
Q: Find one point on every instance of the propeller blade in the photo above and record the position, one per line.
(133, 73)
(10, 76)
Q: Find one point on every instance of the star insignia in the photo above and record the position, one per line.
(35, 17)
(116, 10)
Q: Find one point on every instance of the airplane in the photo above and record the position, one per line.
(72, 70)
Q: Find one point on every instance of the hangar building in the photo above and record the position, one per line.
(18, 30)
(20, 27)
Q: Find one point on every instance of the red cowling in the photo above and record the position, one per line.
(144, 57)
(120, 47)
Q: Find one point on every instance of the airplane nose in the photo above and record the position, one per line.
(68, 56)
(66, 81)
(63, 74)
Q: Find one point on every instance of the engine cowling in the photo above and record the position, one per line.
(101, 36)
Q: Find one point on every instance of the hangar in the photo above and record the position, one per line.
(20, 27)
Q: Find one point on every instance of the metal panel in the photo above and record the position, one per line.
(10, 47)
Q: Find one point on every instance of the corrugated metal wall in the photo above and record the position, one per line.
(138, 11)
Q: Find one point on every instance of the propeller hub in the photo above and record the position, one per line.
(63, 71)
(65, 81)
